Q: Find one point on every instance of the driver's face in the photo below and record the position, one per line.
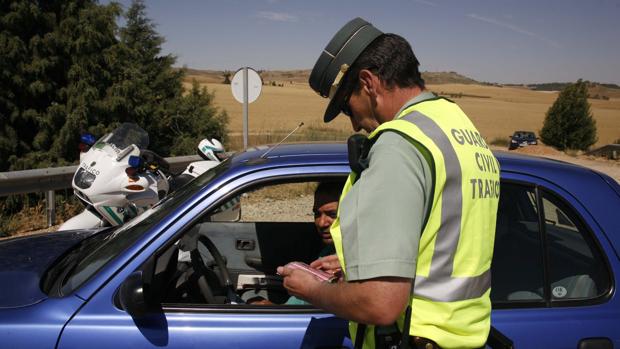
(324, 215)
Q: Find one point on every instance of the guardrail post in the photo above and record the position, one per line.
(50, 202)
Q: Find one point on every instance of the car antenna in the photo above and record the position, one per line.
(287, 136)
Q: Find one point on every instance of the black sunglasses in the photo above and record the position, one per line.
(345, 108)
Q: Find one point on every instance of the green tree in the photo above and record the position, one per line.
(569, 123)
(147, 88)
(53, 73)
(196, 118)
(66, 68)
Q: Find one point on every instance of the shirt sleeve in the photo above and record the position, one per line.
(383, 215)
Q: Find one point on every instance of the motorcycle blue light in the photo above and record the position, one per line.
(135, 161)
(88, 138)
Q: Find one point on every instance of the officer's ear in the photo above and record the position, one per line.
(368, 82)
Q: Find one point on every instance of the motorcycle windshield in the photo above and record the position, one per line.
(127, 134)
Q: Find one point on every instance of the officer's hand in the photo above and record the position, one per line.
(330, 264)
(299, 283)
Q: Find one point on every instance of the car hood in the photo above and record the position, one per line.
(24, 260)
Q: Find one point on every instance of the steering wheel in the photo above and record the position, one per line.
(224, 279)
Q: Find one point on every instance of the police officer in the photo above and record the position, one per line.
(416, 222)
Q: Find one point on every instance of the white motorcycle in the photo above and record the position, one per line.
(118, 178)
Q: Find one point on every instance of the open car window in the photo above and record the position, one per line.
(230, 255)
(287, 202)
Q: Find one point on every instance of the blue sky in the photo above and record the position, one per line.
(502, 41)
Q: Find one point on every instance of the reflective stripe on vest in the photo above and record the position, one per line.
(440, 285)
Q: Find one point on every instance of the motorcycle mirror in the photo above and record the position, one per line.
(88, 138)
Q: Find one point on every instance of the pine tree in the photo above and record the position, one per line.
(148, 88)
(52, 74)
(569, 123)
(150, 91)
(67, 68)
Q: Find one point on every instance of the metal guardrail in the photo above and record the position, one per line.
(57, 178)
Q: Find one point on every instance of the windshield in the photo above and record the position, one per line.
(127, 134)
(90, 255)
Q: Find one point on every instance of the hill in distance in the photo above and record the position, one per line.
(302, 75)
(596, 90)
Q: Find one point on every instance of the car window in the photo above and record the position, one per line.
(291, 202)
(276, 225)
(564, 247)
(517, 267)
(84, 265)
(576, 268)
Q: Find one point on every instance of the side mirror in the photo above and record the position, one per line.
(131, 295)
(229, 212)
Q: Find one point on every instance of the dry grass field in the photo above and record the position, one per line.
(496, 111)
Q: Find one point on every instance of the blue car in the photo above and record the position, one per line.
(522, 139)
(179, 276)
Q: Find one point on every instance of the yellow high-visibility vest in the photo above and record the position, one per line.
(450, 301)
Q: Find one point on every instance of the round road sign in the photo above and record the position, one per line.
(255, 84)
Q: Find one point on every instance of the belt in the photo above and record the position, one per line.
(423, 343)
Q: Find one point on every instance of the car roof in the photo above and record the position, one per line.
(570, 177)
(523, 134)
(335, 153)
(293, 154)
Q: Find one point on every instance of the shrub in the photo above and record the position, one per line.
(500, 141)
(569, 123)
(226, 75)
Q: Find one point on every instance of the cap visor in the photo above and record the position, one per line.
(335, 105)
(333, 109)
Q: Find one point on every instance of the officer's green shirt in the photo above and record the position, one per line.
(383, 215)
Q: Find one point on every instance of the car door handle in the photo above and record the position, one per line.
(245, 245)
(595, 343)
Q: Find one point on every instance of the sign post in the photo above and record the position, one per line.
(246, 87)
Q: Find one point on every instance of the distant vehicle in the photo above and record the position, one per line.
(522, 139)
(554, 277)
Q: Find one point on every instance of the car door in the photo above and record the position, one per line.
(101, 324)
(551, 280)
(104, 323)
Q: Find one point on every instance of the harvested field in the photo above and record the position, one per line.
(502, 111)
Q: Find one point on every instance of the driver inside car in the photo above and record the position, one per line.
(325, 208)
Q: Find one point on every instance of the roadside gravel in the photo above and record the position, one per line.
(294, 209)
